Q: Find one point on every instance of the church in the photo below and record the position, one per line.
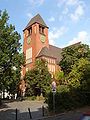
(36, 46)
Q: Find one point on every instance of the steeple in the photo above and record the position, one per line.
(36, 19)
(35, 38)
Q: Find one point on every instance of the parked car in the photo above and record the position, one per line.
(85, 116)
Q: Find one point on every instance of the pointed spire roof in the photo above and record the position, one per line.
(36, 19)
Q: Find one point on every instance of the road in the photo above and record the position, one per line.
(8, 111)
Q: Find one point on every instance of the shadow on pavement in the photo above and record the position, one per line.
(5, 101)
(3, 105)
(10, 114)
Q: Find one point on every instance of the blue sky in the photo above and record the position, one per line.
(68, 20)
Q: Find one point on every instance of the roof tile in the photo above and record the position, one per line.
(52, 51)
(36, 19)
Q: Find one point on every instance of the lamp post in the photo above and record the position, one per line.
(54, 91)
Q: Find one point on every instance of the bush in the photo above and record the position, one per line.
(62, 88)
(62, 101)
(40, 98)
(67, 99)
(31, 98)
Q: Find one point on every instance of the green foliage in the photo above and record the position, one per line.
(72, 54)
(85, 82)
(38, 79)
(79, 73)
(9, 54)
(62, 88)
(31, 98)
(76, 66)
(59, 75)
(68, 99)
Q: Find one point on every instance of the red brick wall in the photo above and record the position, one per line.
(36, 44)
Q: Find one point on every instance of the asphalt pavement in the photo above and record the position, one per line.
(9, 109)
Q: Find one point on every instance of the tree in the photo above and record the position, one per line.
(59, 75)
(71, 54)
(75, 64)
(86, 78)
(39, 78)
(10, 58)
(78, 74)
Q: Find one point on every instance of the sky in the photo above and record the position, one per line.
(68, 20)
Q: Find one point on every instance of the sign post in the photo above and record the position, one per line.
(54, 91)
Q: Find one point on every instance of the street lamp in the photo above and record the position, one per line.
(54, 91)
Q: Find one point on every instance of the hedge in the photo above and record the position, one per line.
(68, 100)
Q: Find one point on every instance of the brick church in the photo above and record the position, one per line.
(36, 45)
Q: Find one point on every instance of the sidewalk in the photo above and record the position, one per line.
(71, 115)
(8, 111)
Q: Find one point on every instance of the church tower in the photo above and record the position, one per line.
(35, 38)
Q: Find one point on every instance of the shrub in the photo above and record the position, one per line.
(62, 88)
(67, 99)
(31, 98)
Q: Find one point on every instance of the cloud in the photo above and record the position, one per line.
(78, 13)
(69, 3)
(29, 15)
(51, 19)
(60, 2)
(74, 9)
(36, 2)
(65, 11)
(55, 34)
(82, 37)
(72, 2)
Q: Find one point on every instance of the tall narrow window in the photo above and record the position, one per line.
(26, 32)
(29, 55)
(30, 31)
(41, 29)
(35, 29)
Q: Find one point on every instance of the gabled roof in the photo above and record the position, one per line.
(45, 52)
(36, 19)
(75, 44)
(56, 51)
(52, 51)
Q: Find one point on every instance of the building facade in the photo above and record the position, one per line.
(36, 45)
